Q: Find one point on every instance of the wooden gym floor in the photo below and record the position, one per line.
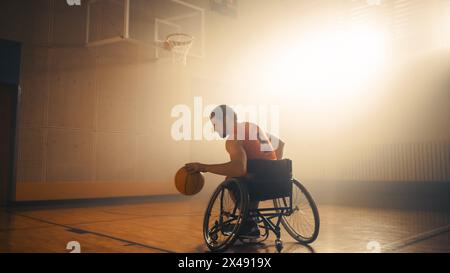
(175, 225)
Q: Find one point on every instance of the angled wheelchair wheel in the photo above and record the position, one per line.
(224, 215)
(303, 222)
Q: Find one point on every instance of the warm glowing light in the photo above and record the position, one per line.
(329, 69)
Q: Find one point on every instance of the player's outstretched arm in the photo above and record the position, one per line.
(236, 167)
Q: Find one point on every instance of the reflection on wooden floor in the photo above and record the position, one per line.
(176, 226)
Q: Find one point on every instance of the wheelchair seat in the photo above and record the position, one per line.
(268, 179)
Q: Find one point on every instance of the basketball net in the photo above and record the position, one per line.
(179, 44)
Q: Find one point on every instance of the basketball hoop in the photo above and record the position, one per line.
(179, 44)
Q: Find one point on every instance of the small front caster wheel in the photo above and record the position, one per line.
(278, 245)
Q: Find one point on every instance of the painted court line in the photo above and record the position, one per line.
(415, 239)
(96, 233)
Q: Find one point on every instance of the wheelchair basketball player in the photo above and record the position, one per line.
(245, 141)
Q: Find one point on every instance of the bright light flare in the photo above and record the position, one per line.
(328, 69)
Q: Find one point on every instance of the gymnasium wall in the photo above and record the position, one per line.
(95, 122)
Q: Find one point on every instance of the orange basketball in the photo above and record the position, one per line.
(189, 184)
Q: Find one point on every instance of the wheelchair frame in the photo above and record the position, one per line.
(263, 216)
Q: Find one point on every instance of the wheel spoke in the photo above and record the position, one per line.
(301, 224)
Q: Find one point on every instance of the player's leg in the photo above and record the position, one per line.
(250, 228)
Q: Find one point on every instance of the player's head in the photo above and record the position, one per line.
(223, 119)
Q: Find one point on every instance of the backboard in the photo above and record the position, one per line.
(146, 22)
(225, 7)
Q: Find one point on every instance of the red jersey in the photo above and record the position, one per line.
(254, 141)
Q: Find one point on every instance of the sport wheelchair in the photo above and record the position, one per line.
(293, 207)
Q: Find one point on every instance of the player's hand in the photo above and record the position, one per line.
(195, 167)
